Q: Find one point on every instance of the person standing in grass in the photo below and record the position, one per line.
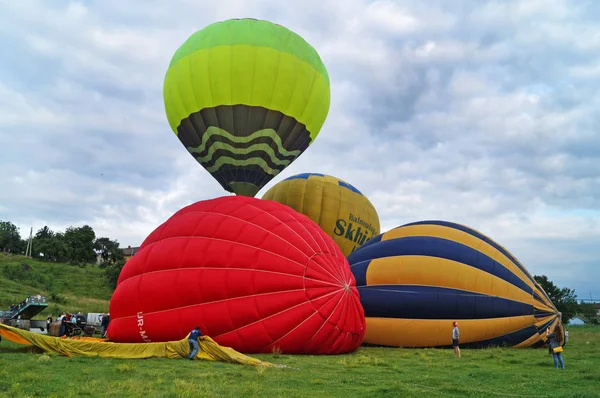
(193, 341)
(554, 347)
(455, 337)
(63, 325)
(104, 323)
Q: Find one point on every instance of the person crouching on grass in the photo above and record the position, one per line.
(193, 341)
(455, 337)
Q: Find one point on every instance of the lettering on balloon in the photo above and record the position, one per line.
(354, 229)
(140, 323)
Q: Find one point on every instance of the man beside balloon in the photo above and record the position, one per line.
(305, 269)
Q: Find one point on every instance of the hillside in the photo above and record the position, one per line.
(67, 287)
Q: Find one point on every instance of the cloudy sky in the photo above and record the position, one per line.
(484, 113)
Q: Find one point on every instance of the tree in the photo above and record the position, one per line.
(108, 250)
(10, 238)
(48, 245)
(44, 233)
(564, 298)
(113, 271)
(79, 243)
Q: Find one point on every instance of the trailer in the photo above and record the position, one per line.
(94, 321)
(20, 316)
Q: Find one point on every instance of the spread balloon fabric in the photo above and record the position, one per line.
(208, 349)
(339, 208)
(415, 280)
(255, 275)
(246, 97)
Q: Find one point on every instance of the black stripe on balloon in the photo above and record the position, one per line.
(440, 248)
(539, 298)
(239, 156)
(538, 344)
(359, 270)
(513, 338)
(215, 138)
(542, 314)
(478, 235)
(229, 173)
(547, 301)
(542, 328)
(507, 340)
(433, 302)
(352, 257)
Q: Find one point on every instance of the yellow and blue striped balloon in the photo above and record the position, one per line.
(341, 210)
(415, 280)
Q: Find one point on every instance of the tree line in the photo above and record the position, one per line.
(77, 246)
(565, 301)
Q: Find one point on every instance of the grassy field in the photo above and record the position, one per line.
(372, 372)
(68, 288)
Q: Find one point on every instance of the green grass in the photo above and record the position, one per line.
(67, 287)
(372, 372)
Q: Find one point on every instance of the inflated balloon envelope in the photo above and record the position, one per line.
(246, 97)
(415, 280)
(339, 208)
(255, 275)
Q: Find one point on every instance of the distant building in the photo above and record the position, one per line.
(577, 320)
(129, 252)
(597, 305)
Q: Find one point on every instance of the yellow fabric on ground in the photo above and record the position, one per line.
(9, 334)
(85, 338)
(208, 348)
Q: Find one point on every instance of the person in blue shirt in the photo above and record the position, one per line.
(193, 341)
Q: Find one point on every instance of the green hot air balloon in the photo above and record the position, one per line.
(246, 97)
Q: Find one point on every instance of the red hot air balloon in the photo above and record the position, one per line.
(255, 275)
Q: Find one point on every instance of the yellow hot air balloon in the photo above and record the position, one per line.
(246, 97)
(340, 209)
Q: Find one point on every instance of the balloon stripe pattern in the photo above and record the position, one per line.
(246, 97)
(335, 205)
(415, 280)
(255, 275)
